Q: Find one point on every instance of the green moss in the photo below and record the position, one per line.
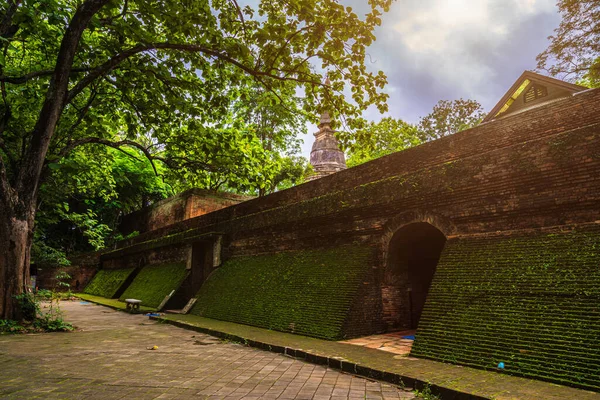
(154, 282)
(106, 282)
(189, 236)
(305, 292)
(113, 303)
(531, 302)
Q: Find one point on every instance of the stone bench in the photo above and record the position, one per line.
(133, 305)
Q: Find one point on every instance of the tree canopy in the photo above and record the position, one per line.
(381, 138)
(449, 117)
(85, 196)
(169, 79)
(390, 135)
(574, 50)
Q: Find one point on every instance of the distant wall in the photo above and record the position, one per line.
(189, 204)
(82, 269)
(46, 276)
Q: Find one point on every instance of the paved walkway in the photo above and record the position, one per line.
(394, 342)
(110, 358)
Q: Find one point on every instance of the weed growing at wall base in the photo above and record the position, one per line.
(426, 394)
(37, 317)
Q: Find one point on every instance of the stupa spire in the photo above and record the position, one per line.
(326, 157)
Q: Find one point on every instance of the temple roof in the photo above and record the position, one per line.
(529, 91)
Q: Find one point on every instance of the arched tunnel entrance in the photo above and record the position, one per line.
(413, 254)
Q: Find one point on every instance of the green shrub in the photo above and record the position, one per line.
(29, 306)
(106, 282)
(36, 318)
(10, 326)
(43, 294)
(154, 282)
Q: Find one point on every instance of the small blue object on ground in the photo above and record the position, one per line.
(409, 337)
(501, 365)
(84, 302)
(152, 315)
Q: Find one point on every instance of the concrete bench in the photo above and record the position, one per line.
(133, 305)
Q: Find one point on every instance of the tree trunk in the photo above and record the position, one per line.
(18, 198)
(16, 235)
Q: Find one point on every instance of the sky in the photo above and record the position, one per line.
(435, 50)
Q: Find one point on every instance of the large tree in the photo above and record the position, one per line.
(574, 50)
(154, 75)
(262, 131)
(85, 196)
(378, 139)
(449, 117)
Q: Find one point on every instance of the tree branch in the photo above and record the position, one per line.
(109, 20)
(82, 113)
(115, 145)
(239, 11)
(173, 162)
(289, 39)
(28, 177)
(109, 65)
(127, 100)
(36, 74)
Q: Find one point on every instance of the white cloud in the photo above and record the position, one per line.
(428, 26)
(446, 49)
(459, 48)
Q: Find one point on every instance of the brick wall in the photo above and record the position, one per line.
(536, 169)
(528, 299)
(46, 277)
(186, 205)
(501, 138)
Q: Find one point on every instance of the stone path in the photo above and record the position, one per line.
(109, 358)
(393, 342)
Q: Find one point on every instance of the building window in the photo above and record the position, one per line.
(535, 92)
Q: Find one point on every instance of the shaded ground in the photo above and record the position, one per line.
(109, 358)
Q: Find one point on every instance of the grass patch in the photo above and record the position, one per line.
(106, 282)
(112, 303)
(154, 282)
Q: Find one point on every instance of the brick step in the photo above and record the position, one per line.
(565, 379)
(509, 352)
(521, 366)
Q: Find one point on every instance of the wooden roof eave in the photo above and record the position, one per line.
(533, 77)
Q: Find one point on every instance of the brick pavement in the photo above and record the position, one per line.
(108, 358)
(393, 342)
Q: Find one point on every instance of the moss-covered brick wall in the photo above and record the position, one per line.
(305, 292)
(154, 282)
(107, 282)
(530, 301)
(536, 168)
